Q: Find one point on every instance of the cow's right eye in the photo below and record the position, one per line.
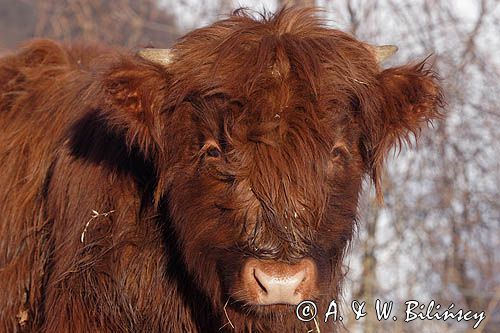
(213, 152)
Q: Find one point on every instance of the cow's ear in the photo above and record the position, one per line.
(123, 117)
(409, 98)
(134, 93)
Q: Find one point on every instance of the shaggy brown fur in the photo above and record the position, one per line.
(131, 193)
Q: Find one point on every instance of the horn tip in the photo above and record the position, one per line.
(383, 52)
(159, 56)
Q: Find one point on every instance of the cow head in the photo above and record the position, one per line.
(260, 133)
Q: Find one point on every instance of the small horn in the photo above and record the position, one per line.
(383, 52)
(159, 56)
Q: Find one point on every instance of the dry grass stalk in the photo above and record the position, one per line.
(95, 214)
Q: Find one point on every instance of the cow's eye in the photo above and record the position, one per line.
(340, 157)
(213, 152)
(340, 153)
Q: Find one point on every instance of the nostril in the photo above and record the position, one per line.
(259, 282)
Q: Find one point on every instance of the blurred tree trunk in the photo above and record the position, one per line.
(368, 283)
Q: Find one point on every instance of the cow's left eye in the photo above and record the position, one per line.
(213, 152)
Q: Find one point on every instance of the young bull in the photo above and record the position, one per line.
(209, 187)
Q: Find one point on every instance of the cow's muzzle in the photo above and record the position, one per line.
(273, 282)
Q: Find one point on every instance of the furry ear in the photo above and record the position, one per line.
(410, 97)
(121, 128)
(133, 95)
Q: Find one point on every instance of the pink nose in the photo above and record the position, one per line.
(271, 282)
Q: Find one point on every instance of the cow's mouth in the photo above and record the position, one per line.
(259, 310)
